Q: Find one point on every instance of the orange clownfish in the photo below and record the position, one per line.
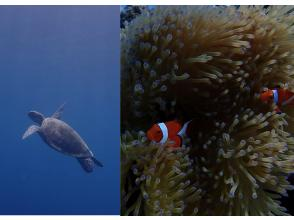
(279, 96)
(171, 130)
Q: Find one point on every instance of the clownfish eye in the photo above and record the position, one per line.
(158, 132)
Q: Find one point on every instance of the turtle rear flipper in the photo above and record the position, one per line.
(97, 162)
(31, 130)
(89, 163)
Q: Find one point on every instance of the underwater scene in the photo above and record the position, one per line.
(59, 95)
(207, 110)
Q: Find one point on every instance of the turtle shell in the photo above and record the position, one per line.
(63, 138)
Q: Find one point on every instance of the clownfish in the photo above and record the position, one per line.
(169, 131)
(279, 96)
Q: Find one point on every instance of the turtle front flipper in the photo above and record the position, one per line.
(36, 117)
(58, 112)
(31, 130)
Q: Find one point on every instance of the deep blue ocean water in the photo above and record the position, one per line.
(50, 55)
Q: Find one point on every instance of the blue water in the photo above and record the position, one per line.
(50, 55)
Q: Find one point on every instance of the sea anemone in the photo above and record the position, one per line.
(157, 181)
(208, 64)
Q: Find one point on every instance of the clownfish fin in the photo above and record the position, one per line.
(289, 101)
(278, 110)
(176, 142)
(184, 129)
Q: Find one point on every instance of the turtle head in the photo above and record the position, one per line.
(36, 117)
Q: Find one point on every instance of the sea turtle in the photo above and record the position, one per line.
(63, 138)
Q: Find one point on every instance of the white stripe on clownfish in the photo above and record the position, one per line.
(164, 131)
(276, 96)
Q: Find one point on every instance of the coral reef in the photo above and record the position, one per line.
(208, 64)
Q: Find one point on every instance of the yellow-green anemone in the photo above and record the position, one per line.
(208, 64)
